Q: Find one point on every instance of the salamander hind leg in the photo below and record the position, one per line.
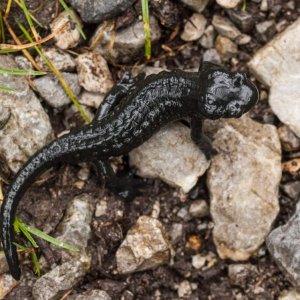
(200, 139)
(122, 186)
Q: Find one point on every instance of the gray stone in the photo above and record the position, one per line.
(243, 39)
(194, 28)
(145, 247)
(69, 36)
(276, 64)
(243, 187)
(171, 156)
(91, 295)
(284, 245)
(196, 5)
(225, 27)
(265, 30)
(239, 274)
(289, 141)
(61, 60)
(176, 232)
(96, 11)
(199, 209)
(212, 55)
(208, 37)
(27, 128)
(23, 63)
(184, 289)
(127, 44)
(53, 93)
(228, 3)
(225, 47)
(242, 19)
(93, 73)
(91, 99)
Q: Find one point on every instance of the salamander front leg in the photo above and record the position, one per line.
(124, 187)
(200, 139)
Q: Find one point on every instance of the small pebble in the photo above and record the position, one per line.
(228, 3)
(199, 208)
(194, 28)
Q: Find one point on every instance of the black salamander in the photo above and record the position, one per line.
(131, 113)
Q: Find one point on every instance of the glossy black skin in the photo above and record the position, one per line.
(132, 112)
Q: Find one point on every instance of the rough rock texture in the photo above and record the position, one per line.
(278, 66)
(53, 93)
(93, 73)
(7, 283)
(208, 37)
(225, 27)
(128, 43)
(96, 11)
(91, 99)
(225, 47)
(69, 36)
(284, 245)
(196, 5)
(171, 156)
(289, 295)
(194, 28)
(91, 295)
(228, 3)
(25, 127)
(61, 60)
(243, 184)
(289, 141)
(74, 230)
(242, 19)
(146, 246)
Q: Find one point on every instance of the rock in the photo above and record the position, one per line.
(243, 39)
(289, 141)
(225, 27)
(228, 3)
(184, 289)
(284, 245)
(289, 295)
(183, 214)
(145, 247)
(225, 47)
(25, 127)
(7, 283)
(240, 274)
(58, 281)
(69, 36)
(277, 64)
(264, 5)
(198, 261)
(23, 63)
(96, 11)
(176, 232)
(93, 73)
(242, 19)
(196, 5)
(101, 208)
(3, 264)
(292, 189)
(127, 43)
(243, 187)
(199, 209)
(61, 60)
(53, 93)
(212, 55)
(265, 30)
(91, 99)
(194, 28)
(91, 295)
(208, 37)
(171, 156)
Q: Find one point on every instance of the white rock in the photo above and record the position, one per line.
(289, 295)
(278, 66)
(225, 27)
(146, 246)
(51, 90)
(93, 73)
(199, 208)
(194, 28)
(7, 283)
(127, 44)
(225, 47)
(171, 156)
(196, 5)
(208, 37)
(69, 36)
(91, 99)
(243, 183)
(198, 261)
(184, 289)
(228, 3)
(61, 60)
(92, 295)
(27, 127)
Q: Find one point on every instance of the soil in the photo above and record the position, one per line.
(44, 204)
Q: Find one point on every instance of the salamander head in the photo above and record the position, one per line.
(225, 94)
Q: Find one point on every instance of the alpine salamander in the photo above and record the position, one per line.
(131, 113)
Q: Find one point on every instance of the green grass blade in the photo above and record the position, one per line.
(21, 247)
(73, 17)
(7, 89)
(22, 228)
(49, 238)
(20, 72)
(37, 269)
(2, 28)
(244, 5)
(147, 33)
